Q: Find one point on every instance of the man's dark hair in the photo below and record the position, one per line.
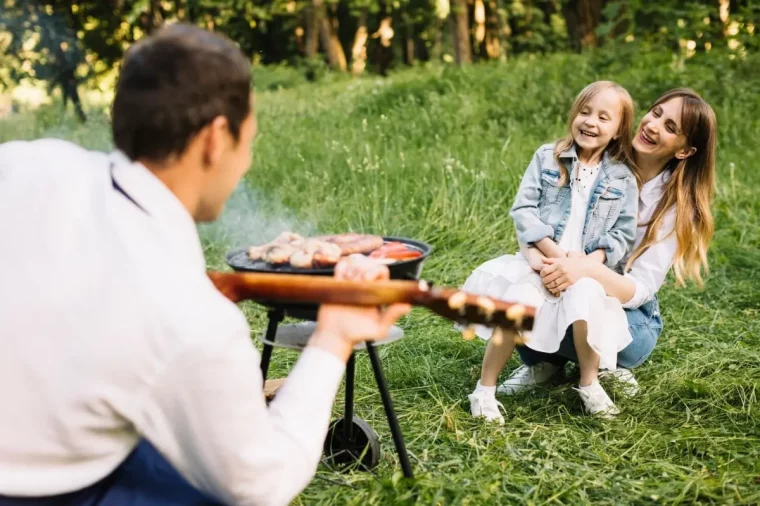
(172, 85)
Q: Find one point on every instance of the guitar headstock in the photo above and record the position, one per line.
(468, 309)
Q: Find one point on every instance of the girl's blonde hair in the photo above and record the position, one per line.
(690, 189)
(619, 149)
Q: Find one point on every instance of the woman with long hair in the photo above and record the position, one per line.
(674, 152)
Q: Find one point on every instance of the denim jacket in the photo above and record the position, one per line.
(542, 206)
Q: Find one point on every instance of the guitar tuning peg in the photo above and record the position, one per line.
(468, 334)
(515, 313)
(498, 336)
(426, 285)
(457, 302)
(486, 306)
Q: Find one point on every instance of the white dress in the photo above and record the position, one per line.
(511, 278)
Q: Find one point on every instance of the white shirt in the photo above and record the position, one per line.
(111, 331)
(583, 178)
(650, 269)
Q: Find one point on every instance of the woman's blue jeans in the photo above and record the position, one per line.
(644, 323)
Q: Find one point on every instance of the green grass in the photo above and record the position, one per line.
(437, 154)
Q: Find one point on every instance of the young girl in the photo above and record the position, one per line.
(674, 151)
(578, 197)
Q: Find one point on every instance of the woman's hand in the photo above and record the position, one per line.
(561, 273)
(340, 327)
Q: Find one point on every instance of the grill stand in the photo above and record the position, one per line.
(349, 439)
(275, 317)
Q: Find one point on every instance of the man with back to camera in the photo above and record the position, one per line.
(125, 376)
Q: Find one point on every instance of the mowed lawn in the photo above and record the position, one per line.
(437, 154)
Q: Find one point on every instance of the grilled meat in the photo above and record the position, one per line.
(304, 253)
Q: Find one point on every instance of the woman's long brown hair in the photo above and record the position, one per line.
(690, 190)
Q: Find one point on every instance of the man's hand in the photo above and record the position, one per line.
(575, 254)
(340, 327)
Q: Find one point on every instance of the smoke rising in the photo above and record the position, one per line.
(250, 218)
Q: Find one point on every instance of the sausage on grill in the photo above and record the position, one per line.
(355, 243)
(304, 253)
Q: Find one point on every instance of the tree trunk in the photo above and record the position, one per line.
(437, 51)
(462, 47)
(479, 16)
(384, 50)
(359, 47)
(422, 51)
(156, 19)
(571, 22)
(191, 11)
(582, 18)
(311, 32)
(591, 16)
(736, 6)
(408, 41)
(548, 8)
(336, 58)
(494, 31)
(409, 51)
(442, 11)
(725, 10)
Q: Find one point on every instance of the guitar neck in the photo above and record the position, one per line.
(317, 289)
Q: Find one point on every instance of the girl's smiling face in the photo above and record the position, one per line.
(598, 121)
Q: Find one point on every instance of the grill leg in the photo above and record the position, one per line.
(398, 438)
(275, 317)
(348, 416)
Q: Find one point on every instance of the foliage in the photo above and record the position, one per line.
(689, 26)
(536, 27)
(70, 43)
(437, 154)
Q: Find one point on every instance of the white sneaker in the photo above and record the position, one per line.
(483, 405)
(630, 385)
(596, 401)
(528, 376)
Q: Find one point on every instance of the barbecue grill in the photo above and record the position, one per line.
(350, 440)
(239, 260)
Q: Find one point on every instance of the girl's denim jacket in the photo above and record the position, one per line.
(542, 206)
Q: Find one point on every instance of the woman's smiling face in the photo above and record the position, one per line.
(660, 134)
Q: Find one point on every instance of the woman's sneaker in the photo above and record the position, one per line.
(528, 376)
(630, 386)
(485, 405)
(596, 401)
